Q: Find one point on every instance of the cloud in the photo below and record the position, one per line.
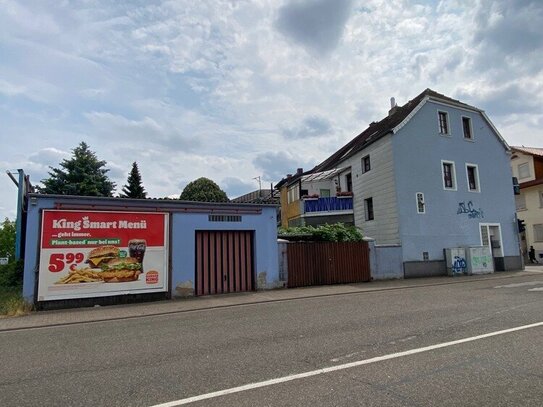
(508, 35)
(275, 165)
(505, 100)
(231, 90)
(317, 25)
(49, 156)
(234, 186)
(311, 126)
(144, 130)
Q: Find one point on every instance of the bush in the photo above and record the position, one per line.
(11, 275)
(337, 232)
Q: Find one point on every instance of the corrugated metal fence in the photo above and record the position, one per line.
(318, 263)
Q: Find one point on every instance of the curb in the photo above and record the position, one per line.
(264, 301)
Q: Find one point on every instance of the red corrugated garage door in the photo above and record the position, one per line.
(224, 262)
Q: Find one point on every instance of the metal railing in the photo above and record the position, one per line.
(331, 204)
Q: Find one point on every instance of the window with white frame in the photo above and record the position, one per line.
(466, 127)
(491, 236)
(293, 194)
(368, 208)
(538, 233)
(443, 118)
(421, 204)
(520, 202)
(524, 170)
(472, 172)
(448, 174)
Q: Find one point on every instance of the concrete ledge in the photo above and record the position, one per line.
(513, 263)
(431, 268)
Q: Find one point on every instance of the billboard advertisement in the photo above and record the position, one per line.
(94, 254)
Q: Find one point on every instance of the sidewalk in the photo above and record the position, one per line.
(116, 312)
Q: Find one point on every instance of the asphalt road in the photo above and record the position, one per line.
(153, 360)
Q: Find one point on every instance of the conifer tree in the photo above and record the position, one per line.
(134, 187)
(83, 174)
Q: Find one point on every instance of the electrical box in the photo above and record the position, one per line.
(479, 260)
(455, 259)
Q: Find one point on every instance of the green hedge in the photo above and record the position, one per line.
(337, 232)
(11, 275)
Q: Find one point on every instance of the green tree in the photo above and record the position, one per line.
(134, 187)
(83, 174)
(203, 190)
(11, 274)
(7, 239)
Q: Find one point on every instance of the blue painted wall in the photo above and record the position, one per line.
(418, 149)
(183, 245)
(183, 227)
(32, 246)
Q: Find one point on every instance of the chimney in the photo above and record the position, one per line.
(393, 107)
(299, 171)
(289, 176)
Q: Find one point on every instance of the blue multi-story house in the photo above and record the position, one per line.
(434, 174)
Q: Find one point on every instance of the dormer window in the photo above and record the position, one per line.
(443, 122)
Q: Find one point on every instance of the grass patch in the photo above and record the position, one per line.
(12, 302)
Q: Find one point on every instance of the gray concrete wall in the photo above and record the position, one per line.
(513, 263)
(429, 268)
(387, 262)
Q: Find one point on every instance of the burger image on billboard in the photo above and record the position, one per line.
(102, 255)
(121, 269)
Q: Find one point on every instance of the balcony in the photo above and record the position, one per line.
(326, 205)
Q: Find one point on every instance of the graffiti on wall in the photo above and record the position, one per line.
(459, 265)
(469, 210)
(482, 261)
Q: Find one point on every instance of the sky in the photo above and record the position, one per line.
(235, 90)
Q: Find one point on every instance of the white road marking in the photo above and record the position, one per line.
(325, 370)
(536, 289)
(515, 285)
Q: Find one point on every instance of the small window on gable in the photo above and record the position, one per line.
(524, 170)
(449, 175)
(421, 205)
(473, 177)
(443, 122)
(466, 126)
(366, 164)
(368, 208)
